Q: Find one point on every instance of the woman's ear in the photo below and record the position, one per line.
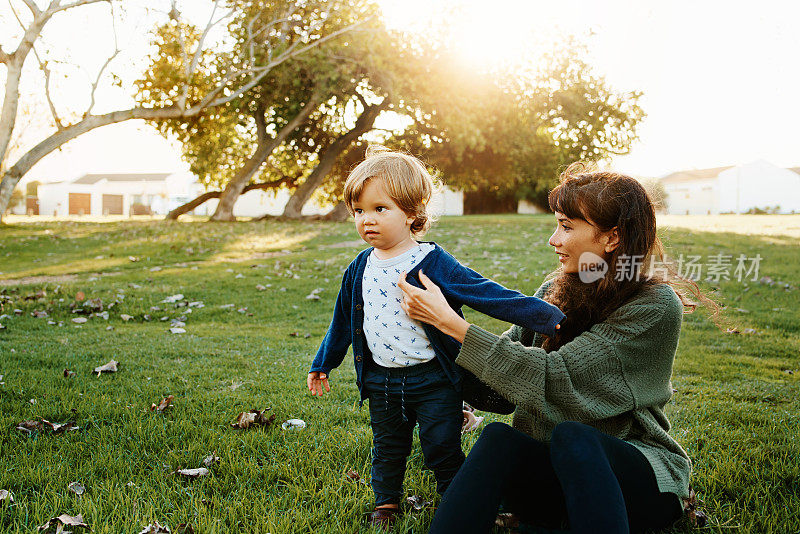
(612, 240)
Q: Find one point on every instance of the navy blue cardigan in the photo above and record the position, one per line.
(460, 286)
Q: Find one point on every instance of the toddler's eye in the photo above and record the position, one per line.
(358, 210)
(380, 209)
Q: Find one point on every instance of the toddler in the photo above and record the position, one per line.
(406, 368)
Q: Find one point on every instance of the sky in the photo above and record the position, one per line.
(719, 78)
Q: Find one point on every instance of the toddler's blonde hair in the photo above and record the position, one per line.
(405, 178)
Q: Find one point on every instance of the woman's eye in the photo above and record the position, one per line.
(567, 228)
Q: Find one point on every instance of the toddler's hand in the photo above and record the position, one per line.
(316, 381)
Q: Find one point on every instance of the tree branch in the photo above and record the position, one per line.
(55, 9)
(32, 6)
(46, 71)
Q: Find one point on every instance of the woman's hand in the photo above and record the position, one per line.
(429, 306)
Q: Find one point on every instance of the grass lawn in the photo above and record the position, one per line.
(736, 409)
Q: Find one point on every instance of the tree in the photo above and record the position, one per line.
(509, 134)
(223, 147)
(275, 34)
(17, 198)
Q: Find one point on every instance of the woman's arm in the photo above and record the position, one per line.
(617, 365)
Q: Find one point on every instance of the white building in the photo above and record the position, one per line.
(157, 194)
(757, 185)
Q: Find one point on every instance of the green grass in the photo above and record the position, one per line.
(736, 410)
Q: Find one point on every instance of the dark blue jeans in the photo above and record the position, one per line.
(400, 398)
(583, 478)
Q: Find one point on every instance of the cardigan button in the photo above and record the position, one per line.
(358, 331)
(359, 306)
(358, 357)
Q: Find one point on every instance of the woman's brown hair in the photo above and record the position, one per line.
(608, 200)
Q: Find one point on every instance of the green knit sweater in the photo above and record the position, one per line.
(614, 377)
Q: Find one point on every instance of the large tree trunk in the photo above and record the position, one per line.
(205, 197)
(294, 206)
(266, 145)
(338, 214)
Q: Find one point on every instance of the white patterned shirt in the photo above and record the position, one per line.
(394, 339)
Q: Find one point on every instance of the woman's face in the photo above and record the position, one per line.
(574, 237)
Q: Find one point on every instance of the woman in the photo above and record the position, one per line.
(589, 446)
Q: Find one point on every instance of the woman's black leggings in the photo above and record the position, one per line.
(589, 480)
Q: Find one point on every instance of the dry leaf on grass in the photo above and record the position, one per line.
(163, 405)
(60, 427)
(57, 524)
(6, 497)
(211, 459)
(79, 296)
(353, 475)
(30, 425)
(79, 320)
(155, 528)
(76, 488)
(125, 317)
(253, 418)
(110, 367)
(194, 473)
(184, 528)
(68, 373)
(177, 330)
(417, 503)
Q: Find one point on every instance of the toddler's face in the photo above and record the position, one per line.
(379, 220)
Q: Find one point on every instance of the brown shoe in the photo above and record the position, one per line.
(383, 517)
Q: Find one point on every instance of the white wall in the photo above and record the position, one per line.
(759, 184)
(447, 202)
(699, 197)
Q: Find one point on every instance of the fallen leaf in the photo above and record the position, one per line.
(184, 528)
(210, 460)
(314, 295)
(79, 320)
(354, 476)
(125, 317)
(6, 496)
(39, 314)
(155, 528)
(261, 287)
(163, 405)
(29, 426)
(173, 298)
(733, 330)
(68, 373)
(76, 488)
(194, 473)
(417, 503)
(110, 367)
(79, 296)
(133, 258)
(60, 427)
(57, 524)
(177, 330)
(253, 418)
(298, 424)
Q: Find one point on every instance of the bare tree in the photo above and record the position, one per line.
(267, 48)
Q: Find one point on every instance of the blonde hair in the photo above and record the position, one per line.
(405, 178)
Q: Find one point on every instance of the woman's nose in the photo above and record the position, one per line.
(554, 241)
